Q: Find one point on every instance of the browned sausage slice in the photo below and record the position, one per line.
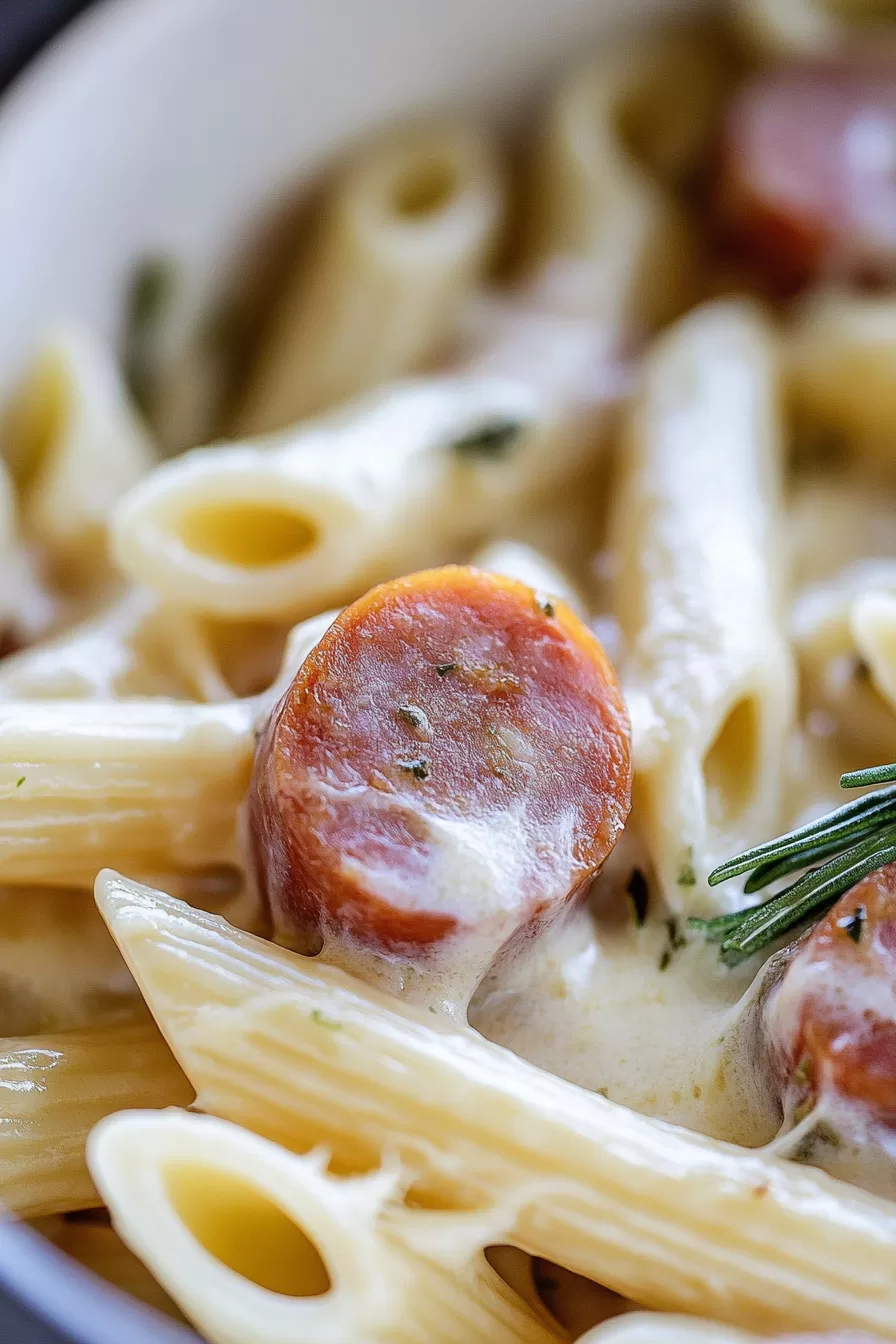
(807, 184)
(832, 1018)
(452, 757)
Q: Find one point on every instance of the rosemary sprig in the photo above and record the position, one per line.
(833, 854)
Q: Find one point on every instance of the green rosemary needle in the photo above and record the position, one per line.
(832, 854)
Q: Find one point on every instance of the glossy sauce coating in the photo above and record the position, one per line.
(832, 1018)
(453, 755)
(807, 182)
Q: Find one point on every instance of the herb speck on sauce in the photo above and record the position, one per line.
(853, 925)
(418, 767)
(638, 893)
(492, 440)
(545, 605)
(444, 668)
(416, 717)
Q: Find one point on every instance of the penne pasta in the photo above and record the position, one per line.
(708, 676)
(605, 234)
(789, 28)
(259, 1245)
(155, 782)
(73, 445)
(839, 355)
(391, 484)
(648, 1328)
(53, 1090)
(404, 237)
(303, 1053)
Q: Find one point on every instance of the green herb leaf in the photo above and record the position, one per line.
(323, 1021)
(833, 854)
(20, 781)
(492, 440)
(418, 767)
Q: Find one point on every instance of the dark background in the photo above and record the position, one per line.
(24, 27)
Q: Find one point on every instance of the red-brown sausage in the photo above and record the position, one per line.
(832, 1017)
(454, 754)
(807, 181)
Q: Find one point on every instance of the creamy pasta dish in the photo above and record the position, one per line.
(447, 811)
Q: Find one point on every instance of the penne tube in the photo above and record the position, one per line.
(707, 673)
(649, 1328)
(261, 1247)
(839, 356)
(73, 445)
(840, 632)
(303, 1053)
(135, 646)
(784, 29)
(54, 1089)
(403, 241)
(397, 482)
(606, 235)
(156, 783)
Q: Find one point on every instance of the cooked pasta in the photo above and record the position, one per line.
(596, 214)
(441, 723)
(393, 483)
(708, 676)
(199, 1199)
(839, 357)
(405, 234)
(54, 1089)
(287, 1048)
(811, 27)
(73, 445)
(155, 782)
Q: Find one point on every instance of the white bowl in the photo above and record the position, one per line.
(172, 125)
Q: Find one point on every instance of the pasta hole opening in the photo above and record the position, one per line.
(33, 422)
(423, 189)
(730, 764)
(252, 536)
(245, 1230)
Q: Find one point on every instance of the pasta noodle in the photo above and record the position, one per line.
(839, 357)
(73, 445)
(380, 489)
(708, 678)
(259, 1245)
(808, 27)
(613, 240)
(300, 1052)
(135, 646)
(154, 782)
(405, 235)
(54, 1089)
(644, 1328)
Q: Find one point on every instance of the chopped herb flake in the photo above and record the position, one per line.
(492, 440)
(853, 925)
(545, 605)
(444, 668)
(415, 716)
(418, 767)
(152, 290)
(20, 781)
(665, 959)
(639, 894)
(323, 1021)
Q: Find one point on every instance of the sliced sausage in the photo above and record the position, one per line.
(832, 1018)
(807, 179)
(452, 757)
